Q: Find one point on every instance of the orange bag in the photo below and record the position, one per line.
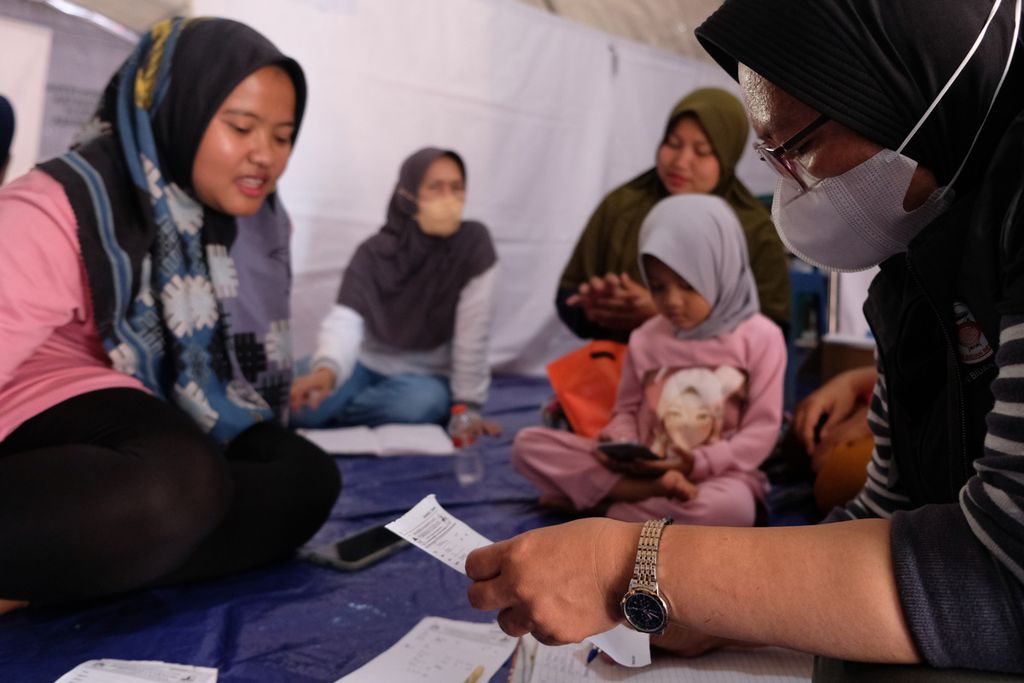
(585, 383)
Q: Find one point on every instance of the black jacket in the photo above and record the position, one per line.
(937, 402)
(958, 563)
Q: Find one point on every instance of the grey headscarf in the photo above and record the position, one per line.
(699, 237)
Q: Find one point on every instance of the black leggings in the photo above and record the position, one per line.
(115, 490)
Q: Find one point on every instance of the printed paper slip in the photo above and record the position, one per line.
(431, 528)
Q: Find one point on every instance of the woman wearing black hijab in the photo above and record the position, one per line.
(144, 285)
(410, 331)
(898, 134)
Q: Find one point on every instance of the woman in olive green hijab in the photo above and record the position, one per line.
(600, 295)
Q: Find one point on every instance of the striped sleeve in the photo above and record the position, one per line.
(958, 567)
(993, 500)
(881, 495)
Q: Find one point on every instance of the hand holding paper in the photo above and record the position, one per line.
(555, 578)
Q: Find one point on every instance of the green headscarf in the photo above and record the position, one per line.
(609, 242)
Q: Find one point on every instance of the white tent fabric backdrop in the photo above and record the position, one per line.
(23, 83)
(82, 56)
(548, 115)
(853, 291)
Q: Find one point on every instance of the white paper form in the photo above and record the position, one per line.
(624, 645)
(431, 528)
(439, 650)
(568, 664)
(125, 671)
(389, 439)
(343, 440)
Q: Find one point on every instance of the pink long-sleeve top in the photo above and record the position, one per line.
(750, 414)
(50, 350)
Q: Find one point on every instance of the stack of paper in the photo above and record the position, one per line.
(536, 663)
(124, 671)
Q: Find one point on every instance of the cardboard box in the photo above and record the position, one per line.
(843, 352)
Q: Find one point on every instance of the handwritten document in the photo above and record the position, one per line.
(431, 528)
(536, 663)
(440, 650)
(124, 671)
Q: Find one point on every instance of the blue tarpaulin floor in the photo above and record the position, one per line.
(299, 622)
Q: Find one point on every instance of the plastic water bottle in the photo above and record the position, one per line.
(469, 465)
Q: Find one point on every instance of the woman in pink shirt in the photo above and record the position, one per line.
(144, 325)
(701, 388)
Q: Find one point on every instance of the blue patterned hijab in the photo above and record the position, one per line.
(192, 302)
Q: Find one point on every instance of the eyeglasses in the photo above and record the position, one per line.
(778, 156)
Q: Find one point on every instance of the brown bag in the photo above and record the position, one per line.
(585, 383)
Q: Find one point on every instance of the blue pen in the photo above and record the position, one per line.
(592, 655)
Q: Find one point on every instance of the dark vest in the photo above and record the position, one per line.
(939, 364)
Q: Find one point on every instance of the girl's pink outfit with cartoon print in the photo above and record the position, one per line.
(713, 390)
(724, 393)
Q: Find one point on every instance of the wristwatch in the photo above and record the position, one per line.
(642, 605)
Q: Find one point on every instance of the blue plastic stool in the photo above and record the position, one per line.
(808, 324)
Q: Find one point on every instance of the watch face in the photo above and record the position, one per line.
(645, 612)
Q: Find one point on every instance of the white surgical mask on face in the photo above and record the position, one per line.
(856, 220)
(440, 217)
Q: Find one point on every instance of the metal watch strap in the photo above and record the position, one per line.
(645, 569)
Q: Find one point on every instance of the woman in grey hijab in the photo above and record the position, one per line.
(410, 330)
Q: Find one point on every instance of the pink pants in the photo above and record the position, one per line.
(561, 463)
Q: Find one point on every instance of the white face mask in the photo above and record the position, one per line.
(440, 217)
(856, 220)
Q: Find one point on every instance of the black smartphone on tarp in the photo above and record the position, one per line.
(359, 550)
(626, 451)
